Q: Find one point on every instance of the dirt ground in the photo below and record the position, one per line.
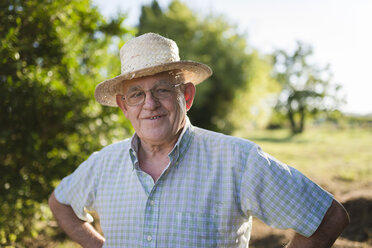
(358, 234)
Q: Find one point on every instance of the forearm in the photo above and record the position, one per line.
(334, 222)
(300, 241)
(78, 230)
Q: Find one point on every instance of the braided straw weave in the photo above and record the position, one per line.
(147, 55)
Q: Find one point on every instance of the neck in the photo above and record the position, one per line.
(153, 159)
(151, 150)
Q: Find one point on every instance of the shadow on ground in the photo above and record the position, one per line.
(269, 241)
(360, 228)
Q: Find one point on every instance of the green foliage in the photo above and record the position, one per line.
(51, 57)
(252, 107)
(306, 89)
(212, 41)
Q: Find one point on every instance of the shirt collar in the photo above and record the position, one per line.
(179, 147)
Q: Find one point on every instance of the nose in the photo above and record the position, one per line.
(150, 101)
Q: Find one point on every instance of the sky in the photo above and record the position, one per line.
(340, 32)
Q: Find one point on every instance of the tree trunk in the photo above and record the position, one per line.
(291, 114)
(302, 120)
(299, 126)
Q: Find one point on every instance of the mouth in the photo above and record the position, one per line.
(155, 117)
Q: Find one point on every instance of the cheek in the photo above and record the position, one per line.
(176, 114)
(132, 116)
(181, 104)
(179, 112)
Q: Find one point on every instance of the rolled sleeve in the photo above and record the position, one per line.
(281, 196)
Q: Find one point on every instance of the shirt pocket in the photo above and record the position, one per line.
(195, 229)
(192, 229)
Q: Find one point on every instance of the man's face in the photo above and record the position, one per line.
(156, 121)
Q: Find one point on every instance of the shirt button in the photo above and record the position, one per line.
(149, 238)
(152, 203)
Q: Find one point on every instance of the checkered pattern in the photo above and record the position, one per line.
(205, 197)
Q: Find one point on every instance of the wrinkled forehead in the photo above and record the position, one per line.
(147, 82)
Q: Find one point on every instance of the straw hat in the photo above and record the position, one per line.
(147, 55)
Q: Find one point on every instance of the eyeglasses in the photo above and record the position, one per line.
(162, 91)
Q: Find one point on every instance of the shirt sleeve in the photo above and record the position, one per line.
(280, 195)
(79, 189)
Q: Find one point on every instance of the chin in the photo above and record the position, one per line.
(154, 137)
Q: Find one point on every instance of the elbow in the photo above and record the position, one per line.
(51, 199)
(338, 218)
(344, 217)
(52, 202)
(334, 222)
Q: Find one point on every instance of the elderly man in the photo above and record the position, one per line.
(176, 185)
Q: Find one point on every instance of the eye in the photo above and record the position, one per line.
(162, 90)
(135, 94)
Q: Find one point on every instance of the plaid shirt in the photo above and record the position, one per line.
(206, 196)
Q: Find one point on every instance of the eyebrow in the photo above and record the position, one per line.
(134, 88)
(160, 82)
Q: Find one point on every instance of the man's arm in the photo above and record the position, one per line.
(78, 230)
(334, 222)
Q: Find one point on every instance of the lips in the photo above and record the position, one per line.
(153, 117)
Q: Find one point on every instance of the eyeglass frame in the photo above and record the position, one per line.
(152, 93)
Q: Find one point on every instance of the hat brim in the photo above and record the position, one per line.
(193, 72)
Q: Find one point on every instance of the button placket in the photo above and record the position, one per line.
(151, 218)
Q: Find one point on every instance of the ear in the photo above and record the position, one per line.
(189, 94)
(121, 104)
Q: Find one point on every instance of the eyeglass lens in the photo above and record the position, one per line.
(161, 91)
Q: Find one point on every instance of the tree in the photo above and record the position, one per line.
(52, 55)
(213, 41)
(306, 88)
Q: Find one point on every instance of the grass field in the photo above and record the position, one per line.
(338, 160)
(341, 159)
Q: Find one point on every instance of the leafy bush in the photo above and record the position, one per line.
(51, 57)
